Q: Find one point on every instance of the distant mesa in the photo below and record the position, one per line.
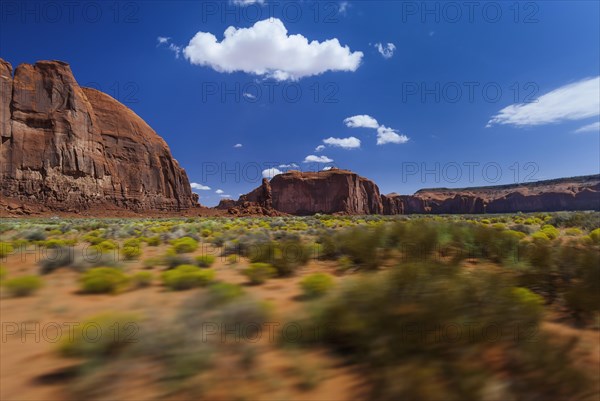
(69, 148)
(344, 192)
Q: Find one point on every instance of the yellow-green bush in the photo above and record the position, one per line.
(23, 285)
(259, 273)
(184, 245)
(141, 279)
(103, 280)
(316, 284)
(101, 336)
(187, 276)
(5, 249)
(205, 260)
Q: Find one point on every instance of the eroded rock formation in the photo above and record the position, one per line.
(71, 148)
(343, 192)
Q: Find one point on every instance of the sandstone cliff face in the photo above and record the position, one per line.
(72, 148)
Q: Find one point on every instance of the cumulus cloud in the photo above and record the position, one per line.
(327, 168)
(361, 121)
(320, 148)
(593, 127)
(343, 7)
(387, 51)
(200, 187)
(271, 172)
(162, 40)
(248, 95)
(317, 159)
(219, 191)
(238, 145)
(574, 101)
(291, 165)
(266, 49)
(345, 143)
(388, 135)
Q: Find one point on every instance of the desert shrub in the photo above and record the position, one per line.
(35, 235)
(540, 235)
(205, 260)
(522, 228)
(222, 293)
(550, 231)
(344, 264)
(23, 286)
(172, 260)
(595, 236)
(284, 256)
(153, 241)
(56, 258)
(141, 279)
(573, 232)
(101, 336)
(103, 280)
(361, 245)
(5, 249)
(389, 324)
(582, 295)
(131, 252)
(232, 259)
(316, 285)
(106, 245)
(184, 245)
(3, 273)
(187, 276)
(258, 273)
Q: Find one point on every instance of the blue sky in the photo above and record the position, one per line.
(465, 95)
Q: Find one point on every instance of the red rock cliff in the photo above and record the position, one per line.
(72, 148)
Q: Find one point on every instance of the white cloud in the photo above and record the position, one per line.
(225, 196)
(317, 159)
(164, 40)
(248, 95)
(291, 165)
(361, 121)
(593, 127)
(247, 2)
(271, 172)
(574, 101)
(219, 191)
(238, 145)
(266, 49)
(327, 168)
(343, 7)
(345, 143)
(320, 148)
(386, 51)
(388, 135)
(200, 187)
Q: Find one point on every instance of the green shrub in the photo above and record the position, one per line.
(595, 236)
(259, 273)
(232, 259)
(153, 241)
(285, 256)
(5, 249)
(550, 231)
(3, 273)
(131, 252)
(573, 232)
(103, 280)
(316, 285)
(187, 276)
(23, 286)
(184, 245)
(171, 260)
(141, 279)
(205, 260)
(106, 245)
(56, 258)
(221, 293)
(101, 336)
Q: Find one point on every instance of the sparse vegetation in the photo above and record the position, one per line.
(103, 280)
(23, 286)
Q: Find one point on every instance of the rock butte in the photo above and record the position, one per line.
(70, 148)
